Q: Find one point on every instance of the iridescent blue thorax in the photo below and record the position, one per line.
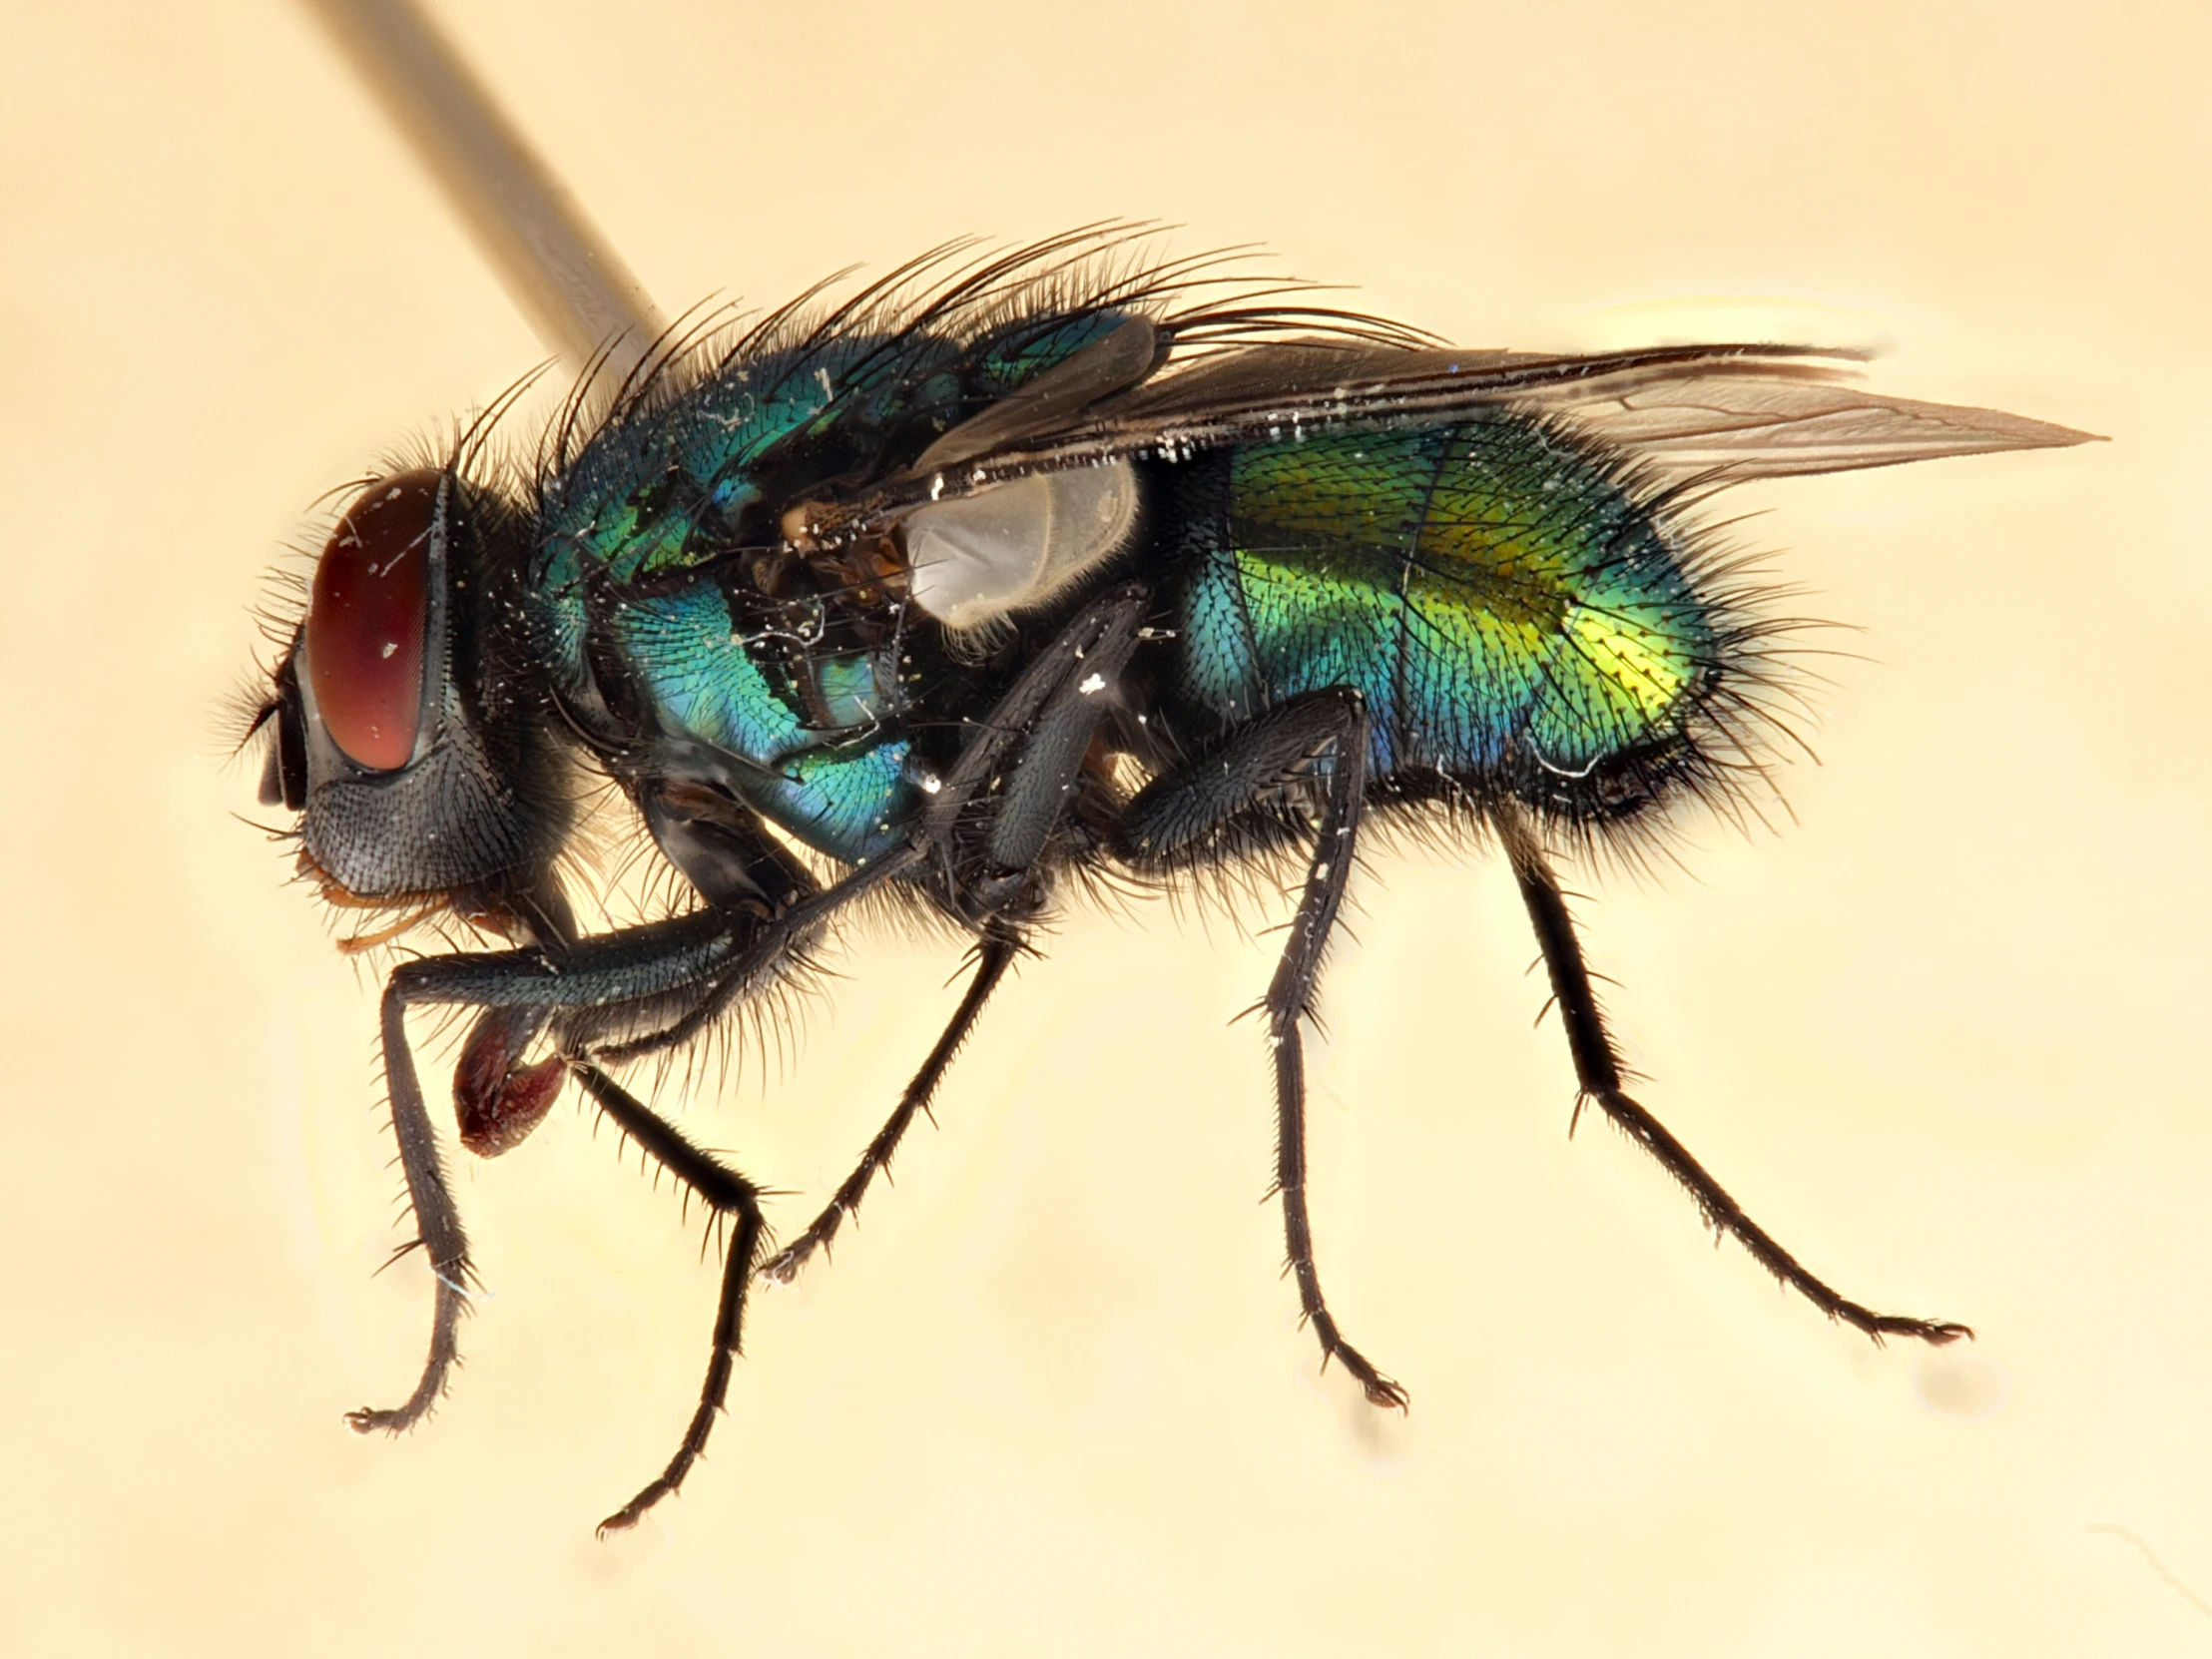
(677, 621)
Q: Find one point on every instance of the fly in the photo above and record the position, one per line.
(1108, 567)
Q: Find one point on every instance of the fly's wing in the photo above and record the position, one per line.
(1056, 398)
(1716, 412)
(1769, 419)
(1745, 411)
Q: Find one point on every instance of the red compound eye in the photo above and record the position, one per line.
(369, 620)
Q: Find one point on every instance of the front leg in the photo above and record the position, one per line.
(654, 986)
(438, 1231)
(726, 1193)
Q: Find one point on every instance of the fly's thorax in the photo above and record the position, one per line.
(783, 704)
(696, 628)
(412, 738)
(1519, 616)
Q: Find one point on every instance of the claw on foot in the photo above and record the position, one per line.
(1879, 1327)
(1383, 1393)
(784, 1266)
(1387, 1394)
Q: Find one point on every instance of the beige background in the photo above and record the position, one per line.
(1943, 1033)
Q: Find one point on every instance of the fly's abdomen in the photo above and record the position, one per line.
(1511, 612)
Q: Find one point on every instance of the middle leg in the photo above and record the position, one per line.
(993, 957)
(995, 814)
(1182, 809)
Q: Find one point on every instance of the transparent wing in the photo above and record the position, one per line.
(1719, 412)
(1756, 420)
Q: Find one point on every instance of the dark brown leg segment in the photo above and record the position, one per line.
(1597, 1071)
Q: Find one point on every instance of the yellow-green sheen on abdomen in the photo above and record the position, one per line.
(1494, 591)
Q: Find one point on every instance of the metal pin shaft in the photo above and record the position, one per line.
(574, 288)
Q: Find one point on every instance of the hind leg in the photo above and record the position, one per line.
(1597, 1071)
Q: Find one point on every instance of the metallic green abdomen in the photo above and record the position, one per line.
(1494, 589)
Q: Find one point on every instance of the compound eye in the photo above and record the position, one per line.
(368, 623)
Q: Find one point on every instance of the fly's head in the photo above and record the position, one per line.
(408, 733)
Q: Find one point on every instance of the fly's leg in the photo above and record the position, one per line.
(497, 1097)
(726, 1193)
(1045, 723)
(769, 947)
(992, 958)
(680, 972)
(489, 1102)
(677, 977)
(1597, 1071)
(528, 985)
(438, 1229)
(1189, 805)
